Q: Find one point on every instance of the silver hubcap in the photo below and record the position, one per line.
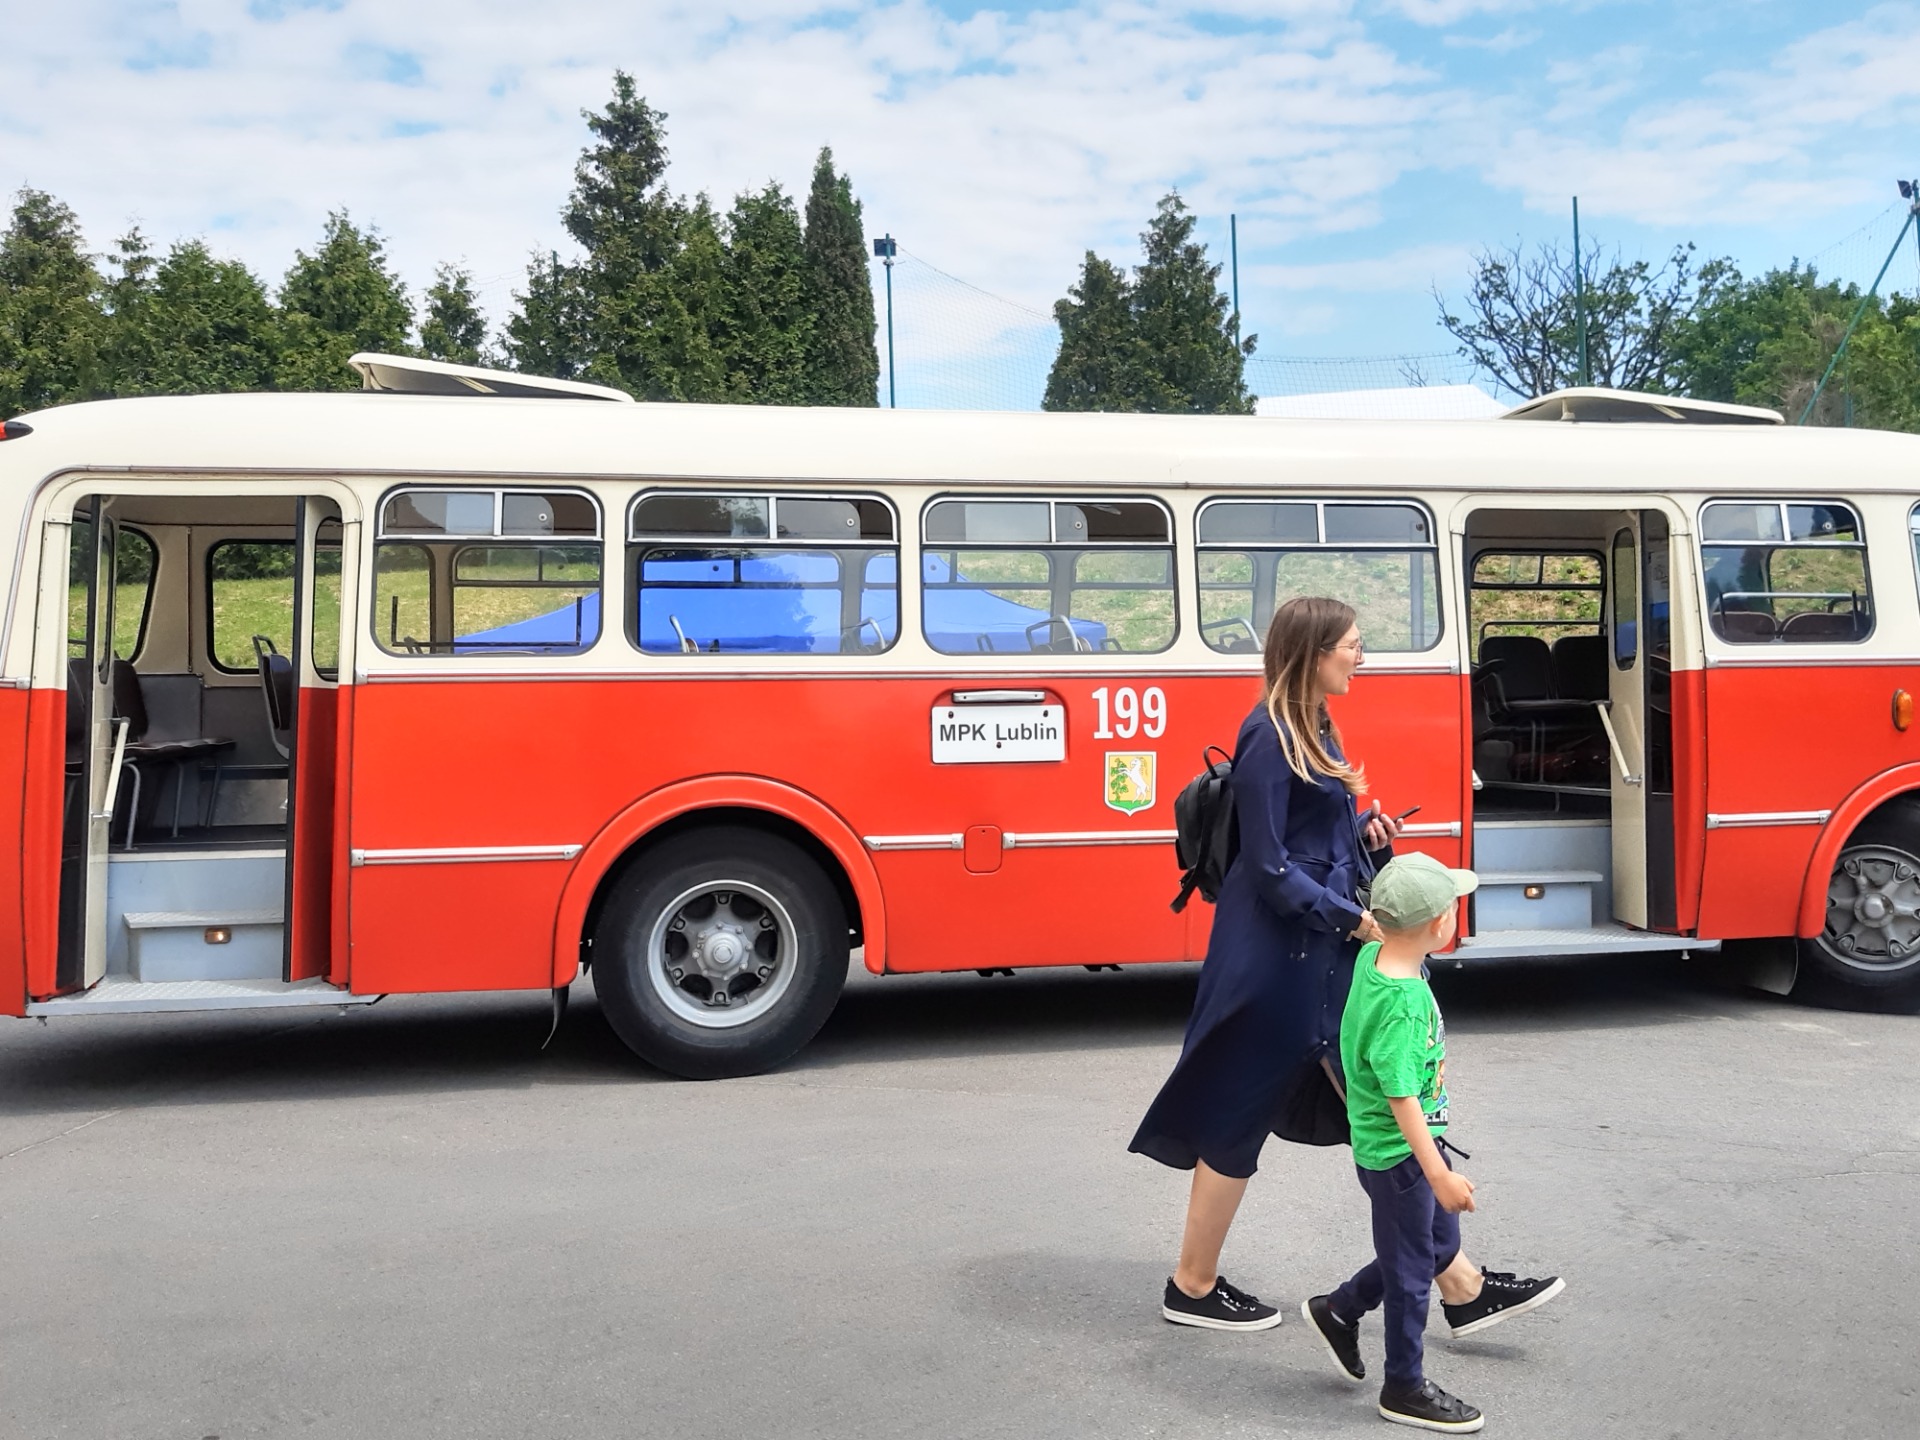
(1873, 909)
(721, 954)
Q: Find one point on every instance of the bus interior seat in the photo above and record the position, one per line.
(1522, 666)
(1580, 667)
(276, 689)
(144, 744)
(1747, 625)
(1821, 625)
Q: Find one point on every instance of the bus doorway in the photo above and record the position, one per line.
(1570, 630)
(200, 640)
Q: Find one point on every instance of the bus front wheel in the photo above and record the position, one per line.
(722, 953)
(1869, 950)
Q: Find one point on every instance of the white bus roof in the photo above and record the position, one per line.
(399, 434)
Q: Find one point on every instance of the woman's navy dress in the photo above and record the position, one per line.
(1278, 964)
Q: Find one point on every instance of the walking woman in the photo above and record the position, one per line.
(1280, 961)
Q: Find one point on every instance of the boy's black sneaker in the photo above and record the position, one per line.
(1429, 1407)
(1502, 1296)
(1341, 1339)
(1221, 1308)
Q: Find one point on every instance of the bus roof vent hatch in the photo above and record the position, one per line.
(410, 375)
(1591, 403)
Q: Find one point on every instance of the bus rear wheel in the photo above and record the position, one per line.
(1869, 950)
(722, 953)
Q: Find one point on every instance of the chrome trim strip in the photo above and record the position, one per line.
(914, 842)
(681, 670)
(998, 697)
(1438, 830)
(1064, 839)
(465, 854)
(1776, 661)
(1756, 819)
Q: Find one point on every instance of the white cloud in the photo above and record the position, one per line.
(1011, 141)
(1813, 129)
(1414, 268)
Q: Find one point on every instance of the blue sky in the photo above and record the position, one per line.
(1368, 146)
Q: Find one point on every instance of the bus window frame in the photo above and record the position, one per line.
(1053, 500)
(1322, 546)
(1784, 502)
(208, 579)
(772, 541)
(153, 583)
(1599, 587)
(457, 542)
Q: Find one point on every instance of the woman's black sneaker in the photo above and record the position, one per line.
(1429, 1407)
(1341, 1339)
(1502, 1296)
(1221, 1308)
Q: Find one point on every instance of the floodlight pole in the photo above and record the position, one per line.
(1233, 252)
(886, 248)
(1585, 372)
(1910, 192)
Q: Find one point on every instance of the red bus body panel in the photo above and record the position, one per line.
(600, 763)
(1769, 755)
(310, 920)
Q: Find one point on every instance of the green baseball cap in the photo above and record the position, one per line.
(1414, 890)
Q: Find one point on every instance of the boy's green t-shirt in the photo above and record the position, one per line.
(1392, 1043)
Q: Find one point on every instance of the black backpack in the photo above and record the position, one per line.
(1205, 838)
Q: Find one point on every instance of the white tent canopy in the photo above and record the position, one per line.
(1413, 402)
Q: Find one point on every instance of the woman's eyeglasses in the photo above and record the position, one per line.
(1358, 647)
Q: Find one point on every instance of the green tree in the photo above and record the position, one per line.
(766, 319)
(1521, 319)
(1184, 323)
(52, 326)
(1160, 342)
(689, 312)
(640, 331)
(1766, 341)
(340, 299)
(454, 329)
(190, 324)
(843, 364)
(1100, 360)
(548, 331)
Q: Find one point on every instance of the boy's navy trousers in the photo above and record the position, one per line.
(1413, 1241)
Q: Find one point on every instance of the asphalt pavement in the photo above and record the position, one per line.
(409, 1221)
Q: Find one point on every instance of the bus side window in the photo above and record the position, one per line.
(487, 572)
(1380, 558)
(1792, 572)
(250, 592)
(134, 559)
(1047, 577)
(763, 574)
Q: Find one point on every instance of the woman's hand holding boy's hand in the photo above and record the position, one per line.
(1453, 1191)
(1368, 929)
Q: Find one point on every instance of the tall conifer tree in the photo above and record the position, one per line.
(1163, 342)
(843, 364)
(340, 299)
(767, 320)
(453, 328)
(52, 328)
(547, 334)
(190, 324)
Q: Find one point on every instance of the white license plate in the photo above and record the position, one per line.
(998, 734)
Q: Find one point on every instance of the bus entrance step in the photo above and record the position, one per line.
(170, 945)
(1589, 940)
(1536, 899)
(119, 995)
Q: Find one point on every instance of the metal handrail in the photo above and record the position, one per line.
(113, 773)
(1627, 777)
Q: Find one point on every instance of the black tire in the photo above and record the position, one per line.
(1859, 965)
(686, 1026)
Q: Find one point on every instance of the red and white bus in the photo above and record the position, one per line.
(479, 681)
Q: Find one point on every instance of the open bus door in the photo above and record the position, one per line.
(83, 554)
(1639, 720)
(323, 591)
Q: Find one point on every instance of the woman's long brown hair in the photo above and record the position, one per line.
(1303, 630)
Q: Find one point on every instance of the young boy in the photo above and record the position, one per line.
(1393, 1048)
